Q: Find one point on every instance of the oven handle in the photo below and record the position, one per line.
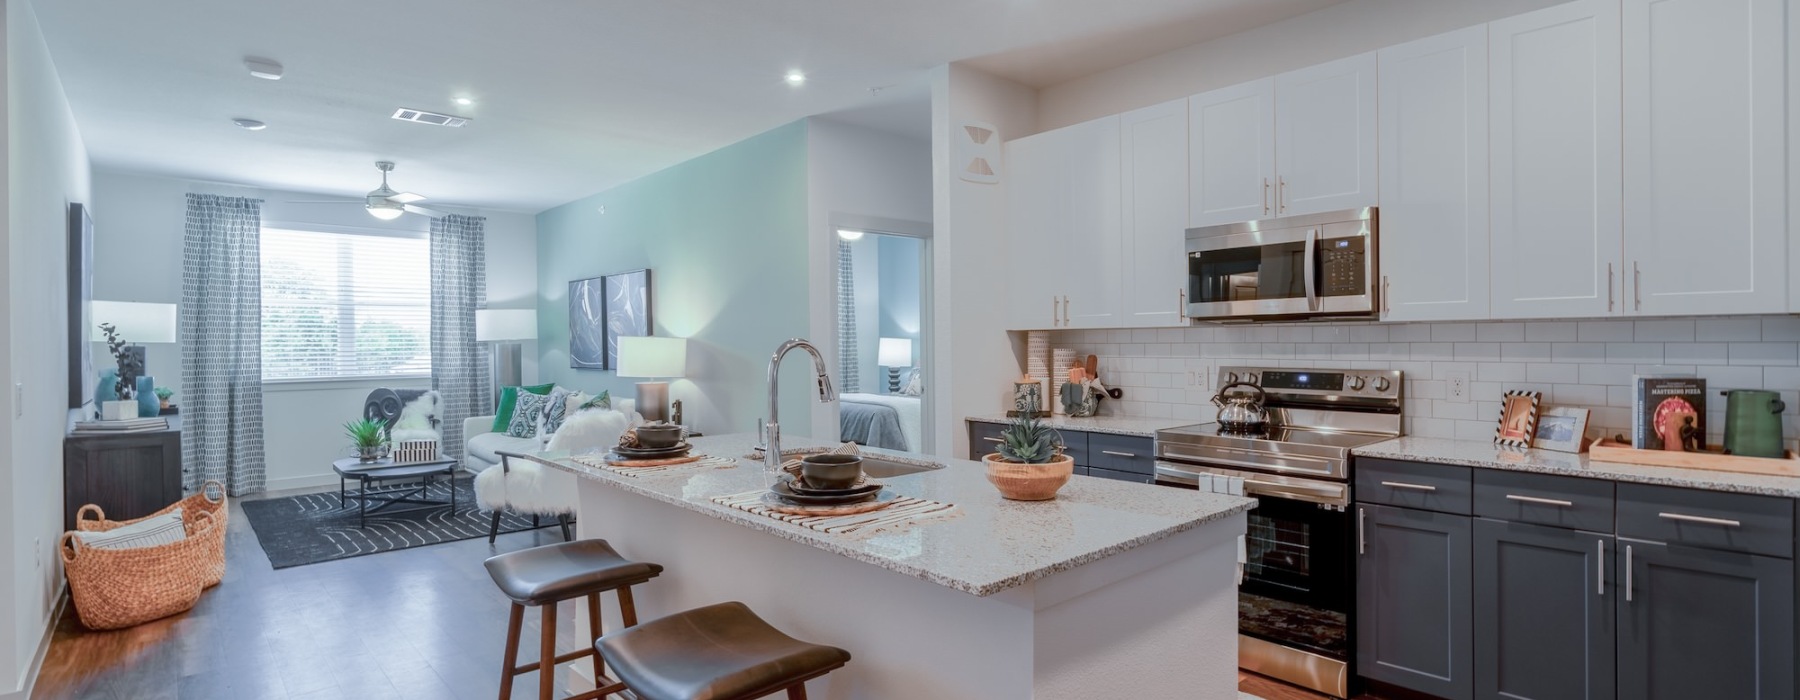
(1325, 464)
(1311, 269)
(1327, 493)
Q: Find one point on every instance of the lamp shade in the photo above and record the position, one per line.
(138, 322)
(652, 356)
(505, 324)
(894, 352)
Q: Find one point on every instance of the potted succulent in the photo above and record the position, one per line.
(1030, 464)
(369, 437)
(163, 394)
(131, 365)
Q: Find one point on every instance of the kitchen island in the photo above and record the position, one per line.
(1111, 590)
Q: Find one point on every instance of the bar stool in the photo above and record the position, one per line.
(547, 575)
(719, 652)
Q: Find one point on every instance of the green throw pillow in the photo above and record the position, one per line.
(509, 399)
(604, 400)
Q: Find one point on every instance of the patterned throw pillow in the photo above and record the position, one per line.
(556, 408)
(603, 401)
(157, 531)
(528, 410)
(509, 401)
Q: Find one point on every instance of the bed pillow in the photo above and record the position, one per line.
(528, 412)
(915, 385)
(151, 532)
(509, 397)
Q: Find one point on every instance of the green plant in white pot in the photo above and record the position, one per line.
(369, 437)
(1030, 464)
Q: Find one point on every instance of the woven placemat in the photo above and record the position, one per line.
(702, 463)
(902, 512)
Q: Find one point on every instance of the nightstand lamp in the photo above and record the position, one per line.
(506, 329)
(894, 354)
(653, 357)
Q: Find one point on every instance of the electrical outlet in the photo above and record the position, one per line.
(1457, 386)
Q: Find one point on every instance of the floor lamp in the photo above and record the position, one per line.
(506, 329)
(652, 357)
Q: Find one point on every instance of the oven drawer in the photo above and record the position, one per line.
(1438, 487)
(1117, 475)
(1122, 453)
(1728, 521)
(1542, 499)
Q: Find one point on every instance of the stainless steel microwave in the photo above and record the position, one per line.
(1292, 268)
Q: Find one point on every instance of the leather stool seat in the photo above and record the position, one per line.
(718, 652)
(555, 572)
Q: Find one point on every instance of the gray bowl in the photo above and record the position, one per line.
(658, 436)
(831, 471)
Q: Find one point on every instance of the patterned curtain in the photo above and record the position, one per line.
(459, 369)
(221, 344)
(849, 373)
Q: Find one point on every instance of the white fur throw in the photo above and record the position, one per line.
(418, 419)
(526, 487)
(589, 431)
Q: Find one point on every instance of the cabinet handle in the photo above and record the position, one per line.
(1362, 543)
(1609, 287)
(1700, 519)
(1065, 311)
(1385, 307)
(1281, 193)
(1118, 454)
(1627, 573)
(1637, 287)
(993, 439)
(1600, 567)
(1541, 501)
(1407, 486)
(1265, 195)
(1181, 305)
(1055, 313)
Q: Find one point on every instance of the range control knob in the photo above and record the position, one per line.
(1231, 378)
(1382, 384)
(1253, 378)
(1357, 383)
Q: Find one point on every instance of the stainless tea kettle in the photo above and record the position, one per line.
(1242, 412)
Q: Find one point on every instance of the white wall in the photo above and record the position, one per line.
(1338, 31)
(47, 168)
(865, 263)
(975, 362)
(857, 178)
(139, 222)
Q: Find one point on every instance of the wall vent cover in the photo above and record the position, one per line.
(424, 117)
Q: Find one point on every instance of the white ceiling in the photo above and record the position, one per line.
(573, 96)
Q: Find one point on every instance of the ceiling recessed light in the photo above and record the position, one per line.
(263, 68)
(250, 124)
(463, 101)
(850, 234)
(796, 78)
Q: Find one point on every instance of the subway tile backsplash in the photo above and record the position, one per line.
(1172, 372)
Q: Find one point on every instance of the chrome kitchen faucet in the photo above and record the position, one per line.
(772, 430)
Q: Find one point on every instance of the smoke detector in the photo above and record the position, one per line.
(263, 68)
(424, 117)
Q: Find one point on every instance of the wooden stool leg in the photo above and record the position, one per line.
(627, 607)
(593, 606)
(547, 665)
(797, 691)
(511, 658)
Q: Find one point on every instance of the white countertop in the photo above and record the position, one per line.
(995, 544)
(1115, 425)
(1486, 455)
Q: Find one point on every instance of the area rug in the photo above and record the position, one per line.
(311, 528)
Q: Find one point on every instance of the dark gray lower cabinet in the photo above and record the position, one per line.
(1543, 613)
(1413, 600)
(1697, 623)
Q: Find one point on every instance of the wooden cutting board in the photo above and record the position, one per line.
(1609, 451)
(615, 461)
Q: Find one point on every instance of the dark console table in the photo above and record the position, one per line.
(128, 476)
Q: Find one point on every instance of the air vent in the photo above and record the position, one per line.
(424, 117)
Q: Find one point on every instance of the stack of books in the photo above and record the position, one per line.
(133, 425)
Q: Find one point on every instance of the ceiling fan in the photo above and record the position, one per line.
(383, 202)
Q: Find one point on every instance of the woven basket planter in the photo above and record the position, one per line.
(116, 588)
(1029, 482)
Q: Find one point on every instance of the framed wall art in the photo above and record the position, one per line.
(627, 310)
(587, 324)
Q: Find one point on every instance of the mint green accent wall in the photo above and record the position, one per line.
(725, 238)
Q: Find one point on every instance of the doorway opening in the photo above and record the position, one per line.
(883, 328)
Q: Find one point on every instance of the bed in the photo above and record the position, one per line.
(886, 421)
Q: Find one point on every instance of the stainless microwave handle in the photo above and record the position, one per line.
(1311, 269)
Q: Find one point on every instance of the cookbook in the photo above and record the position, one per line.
(1668, 413)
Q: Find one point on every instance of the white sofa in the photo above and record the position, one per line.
(482, 444)
(524, 486)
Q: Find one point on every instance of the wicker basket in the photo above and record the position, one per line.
(1029, 482)
(115, 588)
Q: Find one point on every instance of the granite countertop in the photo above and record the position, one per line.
(1485, 455)
(993, 545)
(1116, 425)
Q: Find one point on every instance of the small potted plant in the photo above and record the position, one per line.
(163, 394)
(369, 437)
(131, 365)
(1030, 465)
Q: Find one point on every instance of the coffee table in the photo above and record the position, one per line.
(369, 474)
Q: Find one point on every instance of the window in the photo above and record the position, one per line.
(340, 306)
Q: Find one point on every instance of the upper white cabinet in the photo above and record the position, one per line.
(1704, 155)
(1231, 141)
(1034, 236)
(1325, 137)
(1554, 120)
(1063, 221)
(1434, 178)
(1154, 203)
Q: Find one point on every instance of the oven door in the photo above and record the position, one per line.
(1298, 576)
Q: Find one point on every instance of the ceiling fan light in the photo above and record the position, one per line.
(386, 212)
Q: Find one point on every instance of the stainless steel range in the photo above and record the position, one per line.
(1295, 607)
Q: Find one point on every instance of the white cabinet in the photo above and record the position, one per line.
(1434, 178)
(1154, 204)
(1704, 155)
(1063, 221)
(1231, 157)
(1325, 137)
(1555, 138)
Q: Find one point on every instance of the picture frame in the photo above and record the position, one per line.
(587, 324)
(1561, 428)
(1518, 418)
(628, 310)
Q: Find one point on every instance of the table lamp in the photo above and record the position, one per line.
(894, 353)
(505, 328)
(653, 357)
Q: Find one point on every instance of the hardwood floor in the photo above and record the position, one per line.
(419, 623)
